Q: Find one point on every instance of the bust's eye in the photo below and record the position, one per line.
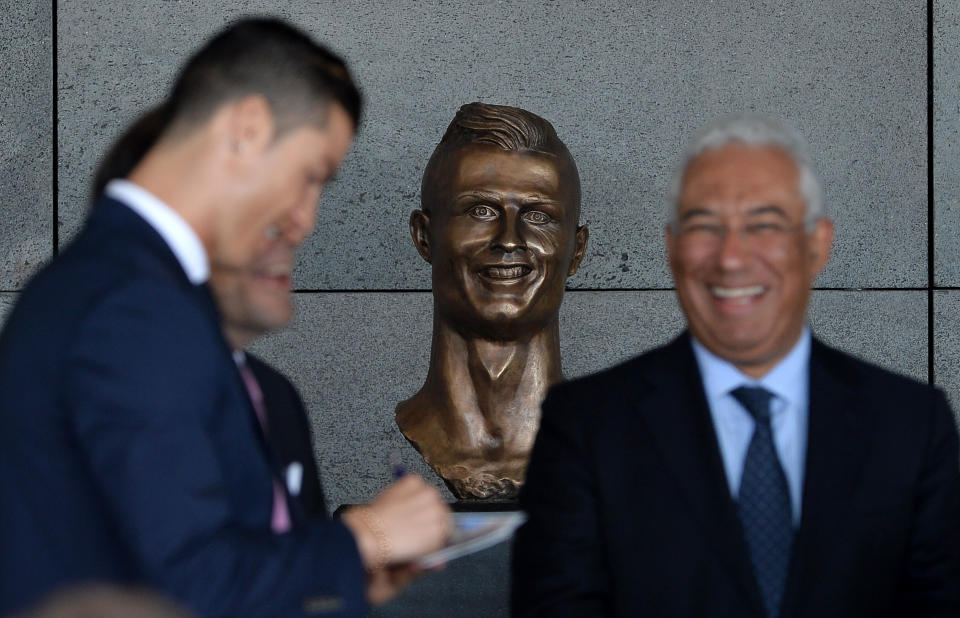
(536, 217)
(483, 212)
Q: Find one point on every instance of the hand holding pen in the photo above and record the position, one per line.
(406, 521)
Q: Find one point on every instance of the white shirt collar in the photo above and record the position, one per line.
(175, 231)
(784, 380)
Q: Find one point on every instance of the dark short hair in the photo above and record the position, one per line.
(263, 56)
(268, 57)
(125, 153)
(509, 128)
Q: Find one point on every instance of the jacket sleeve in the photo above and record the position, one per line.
(932, 573)
(558, 564)
(143, 386)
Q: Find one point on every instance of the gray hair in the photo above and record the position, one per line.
(753, 130)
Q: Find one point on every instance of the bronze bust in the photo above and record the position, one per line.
(500, 205)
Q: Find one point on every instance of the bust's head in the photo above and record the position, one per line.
(500, 206)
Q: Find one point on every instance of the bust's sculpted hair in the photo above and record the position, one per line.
(509, 128)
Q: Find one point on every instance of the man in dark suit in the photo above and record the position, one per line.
(745, 469)
(289, 437)
(130, 450)
(251, 304)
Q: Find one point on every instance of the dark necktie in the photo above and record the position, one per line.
(764, 502)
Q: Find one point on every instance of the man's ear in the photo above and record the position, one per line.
(251, 127)
(583, 235)
(670, 242)
(820, 242)
(420, 232)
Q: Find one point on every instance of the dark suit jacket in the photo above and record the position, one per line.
(129, 451)
(289, 436)
(631, 515)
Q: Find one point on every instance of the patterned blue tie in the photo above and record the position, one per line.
(764, 502)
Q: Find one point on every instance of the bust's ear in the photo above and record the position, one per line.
(420, 232)
(583, 235)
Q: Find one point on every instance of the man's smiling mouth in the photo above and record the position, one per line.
(739, 295)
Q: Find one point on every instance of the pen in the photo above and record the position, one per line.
(396, 464)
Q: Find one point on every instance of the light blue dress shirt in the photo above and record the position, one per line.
(789, 381)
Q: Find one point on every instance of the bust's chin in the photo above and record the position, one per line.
(501, 323)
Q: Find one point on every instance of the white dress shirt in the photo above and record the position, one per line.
(789, 382)
(174, 230)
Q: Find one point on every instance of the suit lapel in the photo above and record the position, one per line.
(836, 444)
(121, 233)
(675, 409)
(209, 305)
(277, 464)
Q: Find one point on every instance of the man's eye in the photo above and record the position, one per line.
(700, 228)
(483, 212)
(536, 217)
(766, 227)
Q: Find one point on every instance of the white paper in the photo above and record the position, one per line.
(474, 532)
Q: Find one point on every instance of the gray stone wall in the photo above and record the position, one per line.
(624, 83)
(26, 126)
(945, 335)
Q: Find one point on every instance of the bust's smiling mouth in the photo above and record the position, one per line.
(506, 271)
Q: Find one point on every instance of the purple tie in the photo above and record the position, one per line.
(280, 520)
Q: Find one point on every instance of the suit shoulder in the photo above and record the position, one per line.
(602, 399)
(266, 373)
(276, 386)
(860, 372)
(85, 275)
(73, 291)
(633, 372)
(902, 404)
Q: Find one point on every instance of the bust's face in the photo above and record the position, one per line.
(502, 237)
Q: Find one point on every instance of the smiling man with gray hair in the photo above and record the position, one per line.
(746, 468)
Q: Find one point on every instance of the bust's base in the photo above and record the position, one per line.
(484, 506)
(464, 506)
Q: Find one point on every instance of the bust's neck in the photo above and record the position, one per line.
(496, 382)
(476, 416)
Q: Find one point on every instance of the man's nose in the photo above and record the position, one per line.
(734, 249)
(300, 221)
(509, 236)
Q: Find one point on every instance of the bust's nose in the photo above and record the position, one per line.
(508, 236)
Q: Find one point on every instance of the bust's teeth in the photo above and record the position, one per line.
(507, 272)
(752, 290)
